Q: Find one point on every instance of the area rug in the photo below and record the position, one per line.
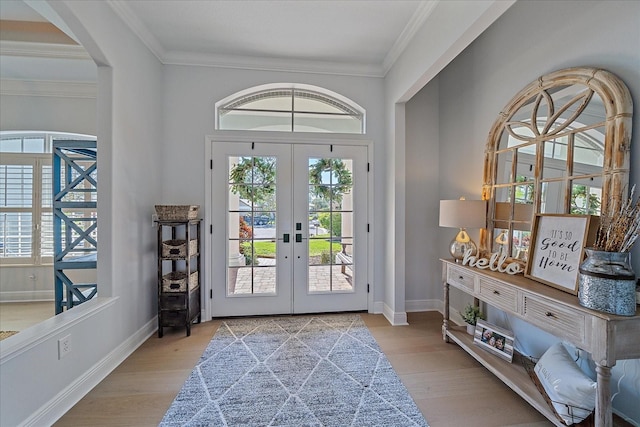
(7, 334)
(293, 371)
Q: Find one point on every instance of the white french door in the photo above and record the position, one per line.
(289, 228)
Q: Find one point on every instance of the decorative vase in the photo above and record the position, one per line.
(607, 283)
(471, 329)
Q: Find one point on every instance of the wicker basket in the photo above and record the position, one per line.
(177, 212)
(176, 281)
(176, 249)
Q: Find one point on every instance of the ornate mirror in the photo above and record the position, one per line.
(561, 145)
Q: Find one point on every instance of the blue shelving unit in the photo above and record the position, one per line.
(74, 219)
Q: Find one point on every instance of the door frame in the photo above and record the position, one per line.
(307, 138)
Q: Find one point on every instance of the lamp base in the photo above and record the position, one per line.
(458, 249)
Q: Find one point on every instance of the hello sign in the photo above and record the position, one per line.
(496, 262)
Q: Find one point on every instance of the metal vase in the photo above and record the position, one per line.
(607, 283)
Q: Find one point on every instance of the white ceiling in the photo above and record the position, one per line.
(360, 37)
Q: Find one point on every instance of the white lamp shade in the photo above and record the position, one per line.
(463, 213)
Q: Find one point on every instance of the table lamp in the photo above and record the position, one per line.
(463, 214)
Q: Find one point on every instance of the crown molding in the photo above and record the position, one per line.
(421, 15)
(123, 10)
(42, 50)
(271, 64)
(48, 88)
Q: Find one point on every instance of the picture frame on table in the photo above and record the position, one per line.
(557, 249)
(494, 339)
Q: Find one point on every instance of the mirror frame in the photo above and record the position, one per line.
(617, 141)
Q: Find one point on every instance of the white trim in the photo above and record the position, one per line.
(205, 259)
(271, 64)
(43, 50)
(307, 138)
(378, 307)
(27, 296)
(281, 138)
(419, 17)
(395, 318)
(128, 16)
(58, 89)
(55, 408)
(17, 345)
(423, 305)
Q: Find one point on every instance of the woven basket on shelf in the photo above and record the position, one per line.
(178, 248)
(177, 212)
(176, 281)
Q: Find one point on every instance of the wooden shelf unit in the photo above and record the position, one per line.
(179, 297)
(606, 337)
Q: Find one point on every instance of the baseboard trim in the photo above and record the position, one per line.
(378, 307)
(424, 305)
(67, 398)
(395, 318)
(27, 296)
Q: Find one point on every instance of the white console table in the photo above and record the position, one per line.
(607, 337)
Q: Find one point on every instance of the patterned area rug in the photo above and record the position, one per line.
(293, 371)
(7, 334)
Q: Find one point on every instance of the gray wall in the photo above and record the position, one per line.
(36, 386)
(531, 39)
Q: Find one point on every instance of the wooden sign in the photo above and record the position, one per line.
(557, 249)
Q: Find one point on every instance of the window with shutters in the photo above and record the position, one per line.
(26, 214)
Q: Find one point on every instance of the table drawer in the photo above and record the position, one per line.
(460, 278)
(561, 322)
(498, 295)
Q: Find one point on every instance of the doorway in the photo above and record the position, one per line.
(289, 228)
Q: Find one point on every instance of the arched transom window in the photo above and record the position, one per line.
(290, 108)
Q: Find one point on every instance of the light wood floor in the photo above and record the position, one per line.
(449, 386)
(18, 316)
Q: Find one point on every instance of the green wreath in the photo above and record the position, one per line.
(253, 178)
(250, 171)
(340, 179)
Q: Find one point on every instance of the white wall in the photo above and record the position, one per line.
(479, 83)
(36, 387)
(190, 95)
(48, 113)
(433, 46)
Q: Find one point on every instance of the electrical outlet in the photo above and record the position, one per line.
(64, 346)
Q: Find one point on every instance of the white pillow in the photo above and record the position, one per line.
(572, 393)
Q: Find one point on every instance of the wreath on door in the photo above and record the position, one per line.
(253, 178)
(340, 180)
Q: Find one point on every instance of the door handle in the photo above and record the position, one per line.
(298, 237)
(285, 238)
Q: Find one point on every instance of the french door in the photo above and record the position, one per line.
(289, 228)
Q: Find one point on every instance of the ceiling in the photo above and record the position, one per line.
(353, 37)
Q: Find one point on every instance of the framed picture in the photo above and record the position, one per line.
(495, 340)
(557, 247)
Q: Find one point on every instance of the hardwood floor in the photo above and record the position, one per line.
(18, 316)
(449, 386)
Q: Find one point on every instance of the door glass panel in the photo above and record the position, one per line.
(330, 266)
(251, 220)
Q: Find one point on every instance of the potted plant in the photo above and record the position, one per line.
(470, 315)
(606, 280)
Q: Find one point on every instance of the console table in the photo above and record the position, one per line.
(607, 337)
